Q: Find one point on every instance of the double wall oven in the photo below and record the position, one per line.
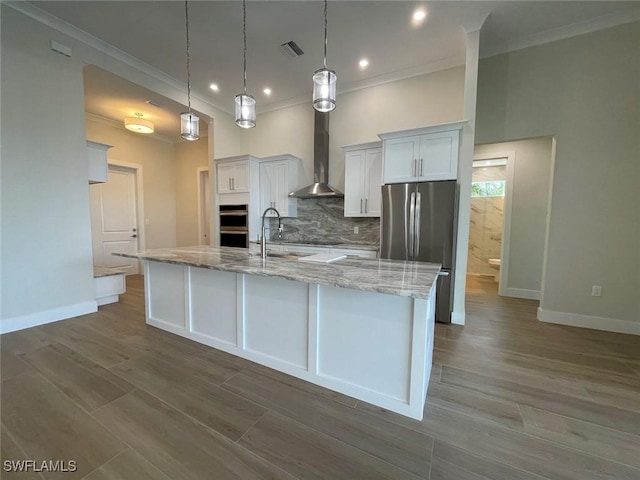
(234, 226)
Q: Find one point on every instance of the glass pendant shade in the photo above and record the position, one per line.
(324, 90)
(189, 126)
(245, 111)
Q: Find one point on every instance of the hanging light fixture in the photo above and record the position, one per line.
(245, 104)
(189, 122)
(137, 124)
(324, 80)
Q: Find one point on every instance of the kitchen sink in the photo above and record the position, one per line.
(287, 255)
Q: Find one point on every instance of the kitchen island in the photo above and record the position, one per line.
(361, 327)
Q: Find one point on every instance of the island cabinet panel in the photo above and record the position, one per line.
(165, 288)
(374, 346)
(213, 308)
(361, 350)
(276, 319)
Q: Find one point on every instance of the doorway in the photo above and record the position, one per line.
(491, 183)
(524, 216)
(204, 207)
(115, 214)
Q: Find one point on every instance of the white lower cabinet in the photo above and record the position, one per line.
(329, 336)
(362, 180)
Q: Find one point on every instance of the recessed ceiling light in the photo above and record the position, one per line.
(214, 87)
(267, 91)
(364, 63)
(419, 15)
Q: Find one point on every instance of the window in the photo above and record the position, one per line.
(488, 189)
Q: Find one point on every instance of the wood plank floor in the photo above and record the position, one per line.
(510, 398)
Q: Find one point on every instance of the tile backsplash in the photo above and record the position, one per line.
(323, 221)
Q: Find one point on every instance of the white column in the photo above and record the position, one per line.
(464, 171)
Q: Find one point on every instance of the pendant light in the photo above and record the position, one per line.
(189, 122)
(324, 80)
(245, 104)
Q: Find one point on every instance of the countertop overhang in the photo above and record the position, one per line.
(393, 277)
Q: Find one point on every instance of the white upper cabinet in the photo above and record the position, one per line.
(362, 180)
(233, 174)
(98, 164)
(421, 155)
(278, 177)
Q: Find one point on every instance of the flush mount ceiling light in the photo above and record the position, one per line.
(245, 104)
(364, 63)
(324, 80)
(214, 87)
(189, 122)
(137, 124)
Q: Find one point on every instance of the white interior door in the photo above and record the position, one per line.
(114, 223)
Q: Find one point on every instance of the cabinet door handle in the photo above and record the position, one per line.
(365, 205)
(233, 183)
(360, 205)
(229, 183)
(421, 167)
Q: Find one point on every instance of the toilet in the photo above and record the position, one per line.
(495, 264)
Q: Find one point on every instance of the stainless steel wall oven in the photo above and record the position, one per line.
(234, 226)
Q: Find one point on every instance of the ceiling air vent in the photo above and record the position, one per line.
(291, 49)
(151, 102)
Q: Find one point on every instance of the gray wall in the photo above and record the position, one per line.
(46, 238)
(586, 92)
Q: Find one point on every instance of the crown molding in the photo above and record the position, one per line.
(567, 31)
(101, 46)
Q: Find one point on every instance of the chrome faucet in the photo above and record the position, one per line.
(263, 243)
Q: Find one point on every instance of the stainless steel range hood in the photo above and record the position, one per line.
(320, 188)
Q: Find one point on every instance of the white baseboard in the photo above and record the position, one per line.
(457, 318)
(587, 321)
(47, 316)
(521, 293)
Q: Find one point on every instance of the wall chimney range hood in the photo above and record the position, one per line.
(320, 188)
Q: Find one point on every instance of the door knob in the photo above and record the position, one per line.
(134, 236)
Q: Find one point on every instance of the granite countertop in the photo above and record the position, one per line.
(99, 272)
(351, 246)
(394, 277)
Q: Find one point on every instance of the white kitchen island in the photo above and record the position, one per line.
(361, 327)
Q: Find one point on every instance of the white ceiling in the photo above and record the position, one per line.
(381, 31)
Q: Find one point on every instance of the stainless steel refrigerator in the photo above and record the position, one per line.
(418, 222)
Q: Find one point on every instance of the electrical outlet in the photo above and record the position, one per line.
(596, 291)
(356, 230)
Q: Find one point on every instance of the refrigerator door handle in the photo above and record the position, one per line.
(416, 224)
(412, 225)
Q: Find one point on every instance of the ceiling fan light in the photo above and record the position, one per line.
(324, 90)
(189, 126)
(138, 125)
(245, 111)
